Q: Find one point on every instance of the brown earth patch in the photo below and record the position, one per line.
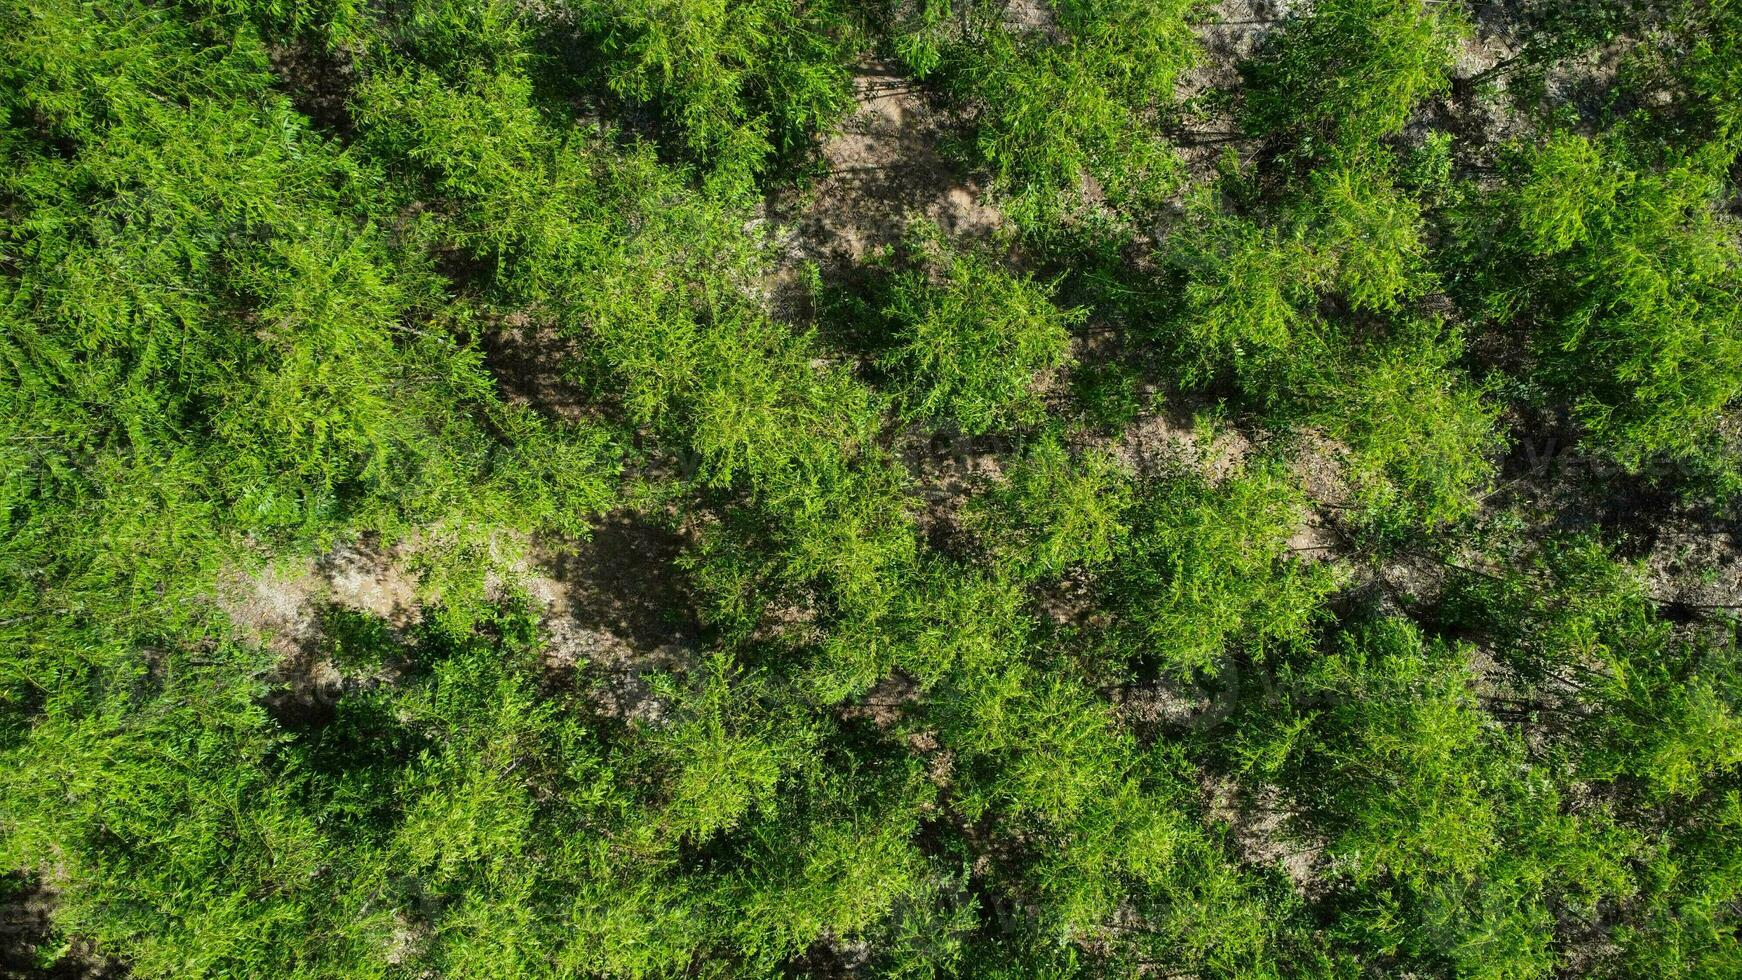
(885, 169)
(884, 703)
(948, 470)
(1228, 35)
(28, 935)
(1159, 703)
(1695, 562)
(526, 355)
(278, 606)
(1258, 825)
(1158, 438)
(1032, 17)
(615, 611)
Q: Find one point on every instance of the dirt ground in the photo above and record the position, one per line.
(884, 168)
(26, 935)
(613, 613)
(608, 606)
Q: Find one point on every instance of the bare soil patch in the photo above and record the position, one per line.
(27, 933)
(949, 468)
(884, 169)
(526, 355)
(1032, 17)
(1230, 34)
(1258, 825)
(1695, 562)
(1160, 436)
(615, 611)
(278, 606)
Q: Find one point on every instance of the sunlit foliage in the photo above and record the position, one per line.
(459, 517)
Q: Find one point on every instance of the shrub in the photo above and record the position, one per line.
(1349, 73)
(970, 341)
(742, 84)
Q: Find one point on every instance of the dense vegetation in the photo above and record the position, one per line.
(451, 531)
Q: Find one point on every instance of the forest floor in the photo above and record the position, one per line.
(610, 605)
